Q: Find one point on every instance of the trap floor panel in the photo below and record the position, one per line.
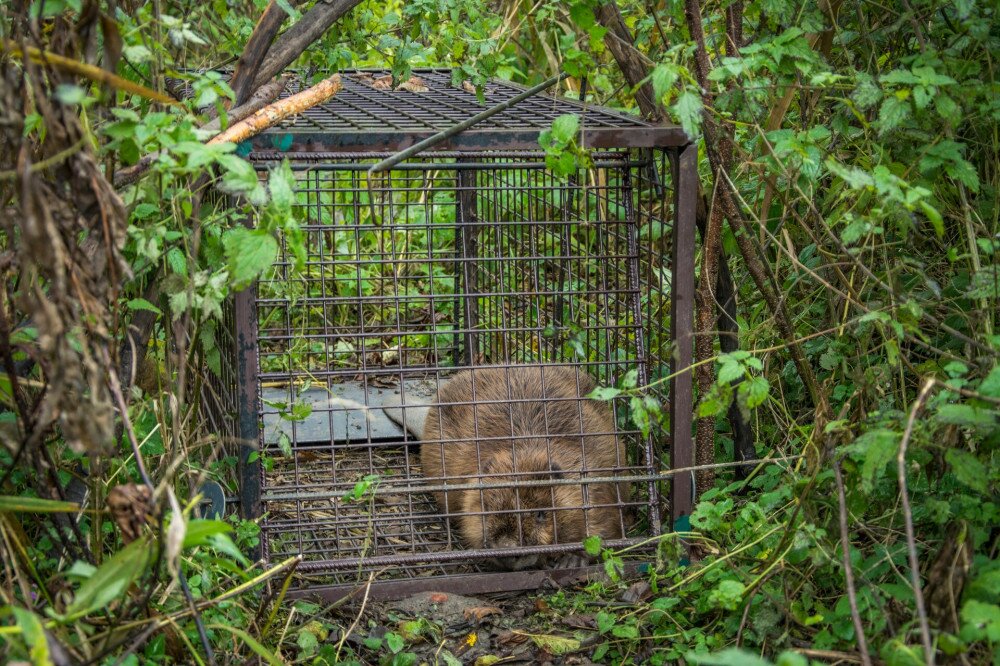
(343, 486)
(340, 412)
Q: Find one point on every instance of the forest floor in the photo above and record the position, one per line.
(509, 628)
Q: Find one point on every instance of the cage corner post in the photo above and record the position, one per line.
(682, 488)
(248, 430)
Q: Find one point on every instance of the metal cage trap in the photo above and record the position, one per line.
(472, 255)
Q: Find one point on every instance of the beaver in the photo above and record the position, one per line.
(519, 423)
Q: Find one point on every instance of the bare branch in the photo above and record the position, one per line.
(297, 39)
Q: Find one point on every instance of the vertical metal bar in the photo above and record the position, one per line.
(682, 331)
(634, 287)
(466, 247)
(248, 399)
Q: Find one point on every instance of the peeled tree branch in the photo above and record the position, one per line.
(259, 100)
(274, 113)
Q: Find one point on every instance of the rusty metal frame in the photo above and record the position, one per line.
(682, 487)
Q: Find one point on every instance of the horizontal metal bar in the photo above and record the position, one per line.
(464, 584)
(302, 140)
(429, 156)
(457, 166)
(380, 489)
(458, 555)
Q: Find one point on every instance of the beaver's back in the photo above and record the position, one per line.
(498, 405)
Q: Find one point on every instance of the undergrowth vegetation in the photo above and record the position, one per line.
(852, 150)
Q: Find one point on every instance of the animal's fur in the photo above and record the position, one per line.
(505, 424)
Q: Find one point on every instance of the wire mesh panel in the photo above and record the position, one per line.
(511, 293)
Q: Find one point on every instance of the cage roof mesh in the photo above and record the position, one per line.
(367, 115)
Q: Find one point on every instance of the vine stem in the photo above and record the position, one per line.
(911, 543)
(845, 543)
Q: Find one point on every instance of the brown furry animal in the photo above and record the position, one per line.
(523, 423)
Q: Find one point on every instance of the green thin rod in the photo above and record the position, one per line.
(392, 161)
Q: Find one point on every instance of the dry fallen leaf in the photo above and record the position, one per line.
(129, 506)
(468, 87)
(511, 638)
(579, 621)
(480, 612)
(414, 84)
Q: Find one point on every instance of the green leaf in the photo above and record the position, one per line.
(34, 636)
(626, 630)
(143, 304)
(755, 391)
(688, 109)
(292, 12)
(394, 641)
(248, 253)
(35, 505)
(592, 545)
(251, 643)
(582, 15)
(112, 578)
(966, 415)
(983, 619)
(177, 261)
(729, 657)
(727, 595)
(224, 544)
(874, 449)
(991, 385)
(664, 77)
(892, 113)
(968, 469)
(565, 127)
(791, 659)
(239, 176)
(729, 371)
(450, 659)
(947, 108)
(199, 530)
(934, 217)
(281, 184)
(605, 621)
(604, 393)
(963, 171)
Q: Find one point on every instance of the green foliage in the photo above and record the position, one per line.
(874, 204)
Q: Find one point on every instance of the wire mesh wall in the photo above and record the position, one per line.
(546, 286)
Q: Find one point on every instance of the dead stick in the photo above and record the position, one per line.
(273, 114)
(845, 544)
(911, 542)
(83, 69)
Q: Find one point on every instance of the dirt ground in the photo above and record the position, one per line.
(509, 628)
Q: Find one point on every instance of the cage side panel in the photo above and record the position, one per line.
(397, 282)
